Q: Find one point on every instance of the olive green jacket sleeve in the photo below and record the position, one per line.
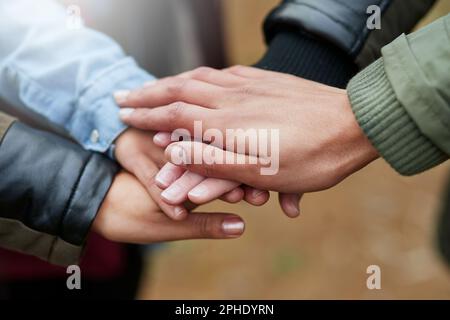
(402, 100)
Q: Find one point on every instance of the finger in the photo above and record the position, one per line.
(172, 117)
(178, 191)
(214, 76)
(256, 197)
(233, 196)
(171, 90)
(211, 189)
(162, 139)
(213, 162)
(168, 174)
(144, 170)
(201, 226)
(289, 202)
(177, 212)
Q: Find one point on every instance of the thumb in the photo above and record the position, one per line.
(208, 226)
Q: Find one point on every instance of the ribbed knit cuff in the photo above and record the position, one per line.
(388, 125)
(300, 55)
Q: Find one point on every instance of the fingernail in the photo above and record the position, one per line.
(163, 178)
(233, 227)
(125, 112)
(171, 193)
(121, 95)
(198, 191)
(160, 138)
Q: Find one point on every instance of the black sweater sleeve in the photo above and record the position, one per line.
(50, 192)
(298, 54)
(328, 40)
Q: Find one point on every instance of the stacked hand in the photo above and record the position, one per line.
(320, 141)
(140, 151)
(320, 144)
(134, 212)
(128, 214)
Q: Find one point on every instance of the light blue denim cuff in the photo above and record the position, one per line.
(100, 124)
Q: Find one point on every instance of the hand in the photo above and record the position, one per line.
(136, 152)
(180, 184)
(140, 152)
(129, 215)
(320, 140)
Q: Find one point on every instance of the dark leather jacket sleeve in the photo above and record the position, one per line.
(343, 23)
(50, 192)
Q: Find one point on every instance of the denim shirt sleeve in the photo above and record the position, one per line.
(65, 75)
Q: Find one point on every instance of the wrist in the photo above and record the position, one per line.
(118, 144)
(357, 151)
(109, 205)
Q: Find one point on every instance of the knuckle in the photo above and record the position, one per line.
(176, 111)
(204, 225)
(176, 86)
(202, 72)
(248, 90)
(237, 68)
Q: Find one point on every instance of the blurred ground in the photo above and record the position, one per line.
(374, 217)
